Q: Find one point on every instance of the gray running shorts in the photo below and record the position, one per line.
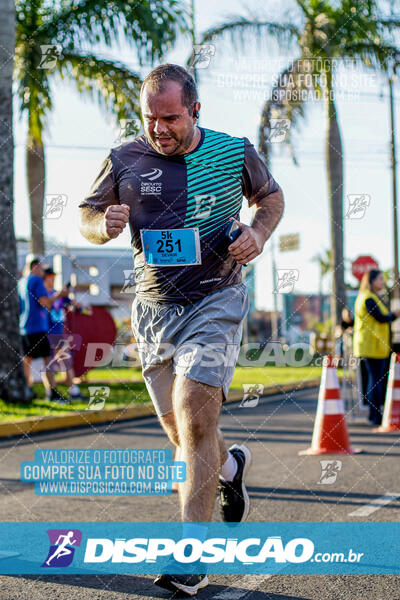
(199, 340)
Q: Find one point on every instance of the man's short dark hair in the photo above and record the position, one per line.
(48, 270)
(156, 80)
(34, 262)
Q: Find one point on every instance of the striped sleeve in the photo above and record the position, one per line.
(257, 181)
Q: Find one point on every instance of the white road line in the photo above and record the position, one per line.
(247, 584)
(374, 505)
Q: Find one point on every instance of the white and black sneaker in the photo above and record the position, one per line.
(233, 497)
(187, 584)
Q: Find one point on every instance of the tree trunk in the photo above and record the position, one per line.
(321, 296)
(35, 169)
(334, 165)
(12, 380)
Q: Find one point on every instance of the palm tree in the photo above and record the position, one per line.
(12, 380)
(52, 43)
(328, 32)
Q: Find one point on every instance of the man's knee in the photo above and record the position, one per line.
(197, 429)
(197, 407)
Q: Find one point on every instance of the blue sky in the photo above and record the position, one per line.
(79, 135)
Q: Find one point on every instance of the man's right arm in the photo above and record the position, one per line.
(100, 227)
(91, 225)
(101, 216)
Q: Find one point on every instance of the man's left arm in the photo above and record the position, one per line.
(261, 190)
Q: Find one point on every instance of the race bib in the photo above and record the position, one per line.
(171, 247)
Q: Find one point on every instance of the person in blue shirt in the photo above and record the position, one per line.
(56, 314)
(62, 353)
(35, 304)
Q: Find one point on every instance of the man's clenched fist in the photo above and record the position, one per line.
(115, 219)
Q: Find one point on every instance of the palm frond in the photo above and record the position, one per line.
(115, 87)
(392, 24)
(33, 88)
(239, 29)
(323, 259)
(303, 5)
(377, 56)
(287, 101)
(150, 27)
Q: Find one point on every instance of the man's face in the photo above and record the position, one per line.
(49, 281)
(169, 126)
(38, 270)
(378, 283)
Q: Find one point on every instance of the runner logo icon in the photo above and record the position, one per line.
(61, 551)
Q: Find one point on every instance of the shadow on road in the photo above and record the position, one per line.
(126, 584)
(81, 431)
(316, 495)
(143, 586)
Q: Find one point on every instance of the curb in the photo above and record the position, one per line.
(82, 418)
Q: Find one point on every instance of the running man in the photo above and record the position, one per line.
(180, 187)
(62, 546)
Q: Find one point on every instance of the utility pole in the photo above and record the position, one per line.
(396, 293)
(274, 316)
(193, 36)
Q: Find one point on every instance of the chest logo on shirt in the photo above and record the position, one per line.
(152, 175)
(148, 187)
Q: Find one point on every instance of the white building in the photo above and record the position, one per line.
(98, 277)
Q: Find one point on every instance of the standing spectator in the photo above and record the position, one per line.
(347, 319)
(345, 327)
(372, 338)
(56, 335)
(34, 306)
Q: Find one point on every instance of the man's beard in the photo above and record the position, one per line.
(180, 147)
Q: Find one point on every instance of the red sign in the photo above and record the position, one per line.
(96, 331)
(362, 265)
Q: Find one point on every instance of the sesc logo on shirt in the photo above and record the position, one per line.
(148, 187)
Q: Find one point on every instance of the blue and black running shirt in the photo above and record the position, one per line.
(201, 189)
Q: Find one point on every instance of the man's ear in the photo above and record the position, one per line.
(196, 109)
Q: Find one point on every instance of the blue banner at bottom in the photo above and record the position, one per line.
(243, 548)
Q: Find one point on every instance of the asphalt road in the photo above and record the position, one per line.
(282, 485)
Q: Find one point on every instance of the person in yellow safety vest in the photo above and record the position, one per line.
(372, 338)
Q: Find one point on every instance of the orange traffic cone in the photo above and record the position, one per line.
(391, 412)
(330, 434)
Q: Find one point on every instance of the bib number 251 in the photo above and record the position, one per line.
(171, 247)
(165, 244)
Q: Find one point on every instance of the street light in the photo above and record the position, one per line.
(394, 188)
